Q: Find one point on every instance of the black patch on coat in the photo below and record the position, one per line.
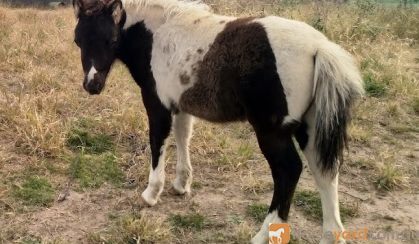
(184, 78)
(237, 78)
(301, 135)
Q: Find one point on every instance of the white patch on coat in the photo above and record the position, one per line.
(262, 236)
(91, 74)
(305, 57)
(177, 37)
(294, 44)
(157, 12)
(185, 38)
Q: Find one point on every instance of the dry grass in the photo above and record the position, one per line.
(46, 117)
(132, 229)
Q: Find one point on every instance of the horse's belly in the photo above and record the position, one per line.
(215, 106)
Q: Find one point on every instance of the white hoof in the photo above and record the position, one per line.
(329, 238)
(150, 197)
(260, 238)
(180, 189)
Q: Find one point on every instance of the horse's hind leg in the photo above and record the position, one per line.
(326, 183)
(286, 167)
(183, 130)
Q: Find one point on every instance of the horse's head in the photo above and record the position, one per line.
(98, 34)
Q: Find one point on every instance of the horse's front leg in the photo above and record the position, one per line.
(160, 121)
(183, 130)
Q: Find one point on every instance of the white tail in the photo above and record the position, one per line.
(338, 84)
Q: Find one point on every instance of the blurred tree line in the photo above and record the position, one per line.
(35, 3)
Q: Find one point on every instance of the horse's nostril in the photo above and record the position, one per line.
(93, 87)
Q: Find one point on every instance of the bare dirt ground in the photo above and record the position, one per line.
(41, 102)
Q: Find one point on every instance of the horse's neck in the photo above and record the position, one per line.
(135, 53)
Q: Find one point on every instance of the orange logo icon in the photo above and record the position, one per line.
(279, 233)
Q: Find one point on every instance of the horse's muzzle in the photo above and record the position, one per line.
(95, 85)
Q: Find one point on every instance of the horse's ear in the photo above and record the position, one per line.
(77, 4)
(115, 6)
(117, 11)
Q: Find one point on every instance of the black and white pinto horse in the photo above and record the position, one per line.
(284, 77)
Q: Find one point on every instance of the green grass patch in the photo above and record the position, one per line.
(92, 171)
(35, 191)
(194, 221)
(257, 211)
(374, 87)
(80, 139)
(197, 185)
(245, 151)
(310, 203)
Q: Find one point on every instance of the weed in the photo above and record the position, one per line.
(243, 233)
(415, 105)
(35, 191)
(366, 6)
(245, 151)
(257, 211)
(390, 177)
(194, 221)
(360, 134)
(373, 87)
(348, 211)
(393, 110)
(144, 229)
(318, 23)
(197, 185)
(131, 229)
